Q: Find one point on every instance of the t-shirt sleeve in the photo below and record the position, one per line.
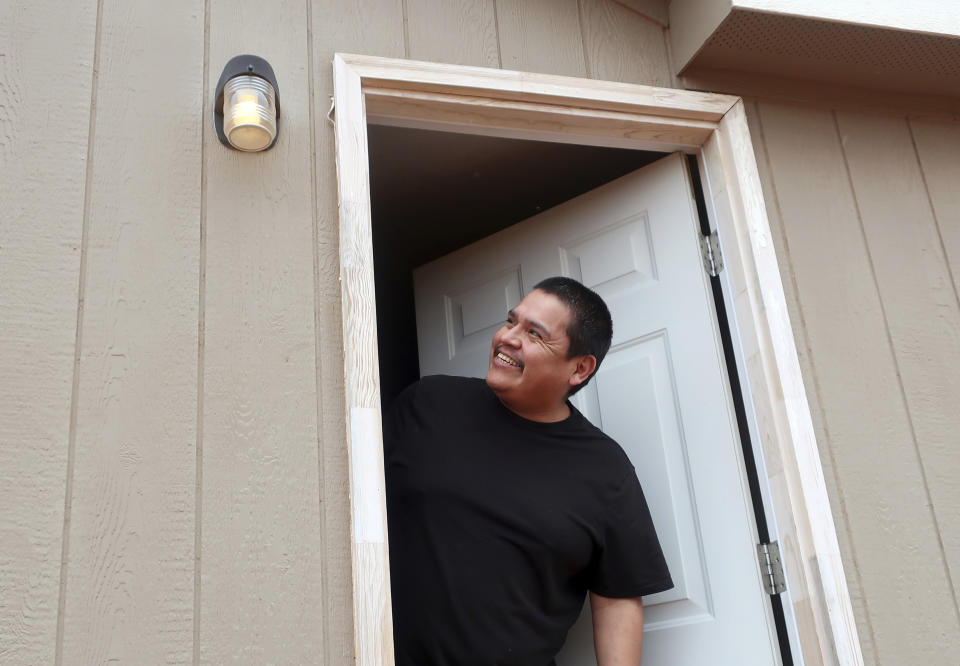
(630, 562)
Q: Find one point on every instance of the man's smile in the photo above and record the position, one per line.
(509, 360)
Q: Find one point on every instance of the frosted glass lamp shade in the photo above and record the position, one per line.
(246, 105)
(249, 113)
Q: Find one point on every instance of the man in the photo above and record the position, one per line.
(506, 505)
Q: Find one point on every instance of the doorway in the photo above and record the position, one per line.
(430, 196)
(475, 100)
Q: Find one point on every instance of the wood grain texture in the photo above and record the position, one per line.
(376, 28)
(461, 32)
(541, 36)
(782, 405)
(45, 79)
(130, 577)
(262, 597)
(371, 568)
(477, 114)
(562, 91)
(620, 45)
(923, 321)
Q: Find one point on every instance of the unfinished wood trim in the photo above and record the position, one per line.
(389, 106)
(373, 621)
(501, 84)
(413, 92)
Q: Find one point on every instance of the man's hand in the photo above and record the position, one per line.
(617, 630)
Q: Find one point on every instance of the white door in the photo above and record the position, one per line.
(661, 393)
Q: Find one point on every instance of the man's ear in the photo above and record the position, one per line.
(584, 368)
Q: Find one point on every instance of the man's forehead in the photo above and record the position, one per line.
(545, 310)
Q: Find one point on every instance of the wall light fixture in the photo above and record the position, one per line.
(246, 108)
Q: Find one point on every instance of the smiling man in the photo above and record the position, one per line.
(506, 506)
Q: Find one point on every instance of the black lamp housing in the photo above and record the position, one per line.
(240, 65)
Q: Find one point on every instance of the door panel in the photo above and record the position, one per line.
(661, 393)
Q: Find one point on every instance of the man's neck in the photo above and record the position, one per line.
(540, 413)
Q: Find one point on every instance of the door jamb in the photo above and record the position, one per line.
(555, 108)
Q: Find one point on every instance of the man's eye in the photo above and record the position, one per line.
(535, 333)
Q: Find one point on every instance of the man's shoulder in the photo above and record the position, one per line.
(448, 385)
(440, 382)
(433, 389)
(605, 450)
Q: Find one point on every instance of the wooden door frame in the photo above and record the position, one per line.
(573, 110)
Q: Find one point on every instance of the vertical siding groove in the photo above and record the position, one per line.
(75, 388)
(896, 363)
(130, 563)
(883, 314)
(406, 30)
(923, 431)
(668, 48)
(201, 346)
(933, 213)
(801, 332)
(953, 284)
(496, 27)
(583, 40)
(312, 120)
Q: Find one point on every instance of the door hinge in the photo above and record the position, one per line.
(712, 259)
(772, 567)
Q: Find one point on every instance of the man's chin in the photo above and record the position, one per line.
(496, 380)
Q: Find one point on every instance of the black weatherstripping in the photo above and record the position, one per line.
(753, 479)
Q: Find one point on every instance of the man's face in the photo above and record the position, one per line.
(529, 368)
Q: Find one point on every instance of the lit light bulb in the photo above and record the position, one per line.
(250, 113)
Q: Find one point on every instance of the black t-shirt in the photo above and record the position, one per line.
(499, 525)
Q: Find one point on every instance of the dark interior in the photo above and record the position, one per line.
(433, 192)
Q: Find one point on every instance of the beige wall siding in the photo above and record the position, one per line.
(462, 32)
(261, 595)
(877, 318)
(198, 495)
(207, 515)
(541, 36)
(129, 576)
(46, 71)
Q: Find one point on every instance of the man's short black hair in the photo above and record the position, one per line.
(591, 328)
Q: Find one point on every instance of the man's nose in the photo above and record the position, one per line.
(511, 337)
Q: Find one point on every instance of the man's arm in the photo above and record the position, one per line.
(617, 630)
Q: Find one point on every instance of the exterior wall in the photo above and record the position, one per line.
(864, 211)
(172, 466)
